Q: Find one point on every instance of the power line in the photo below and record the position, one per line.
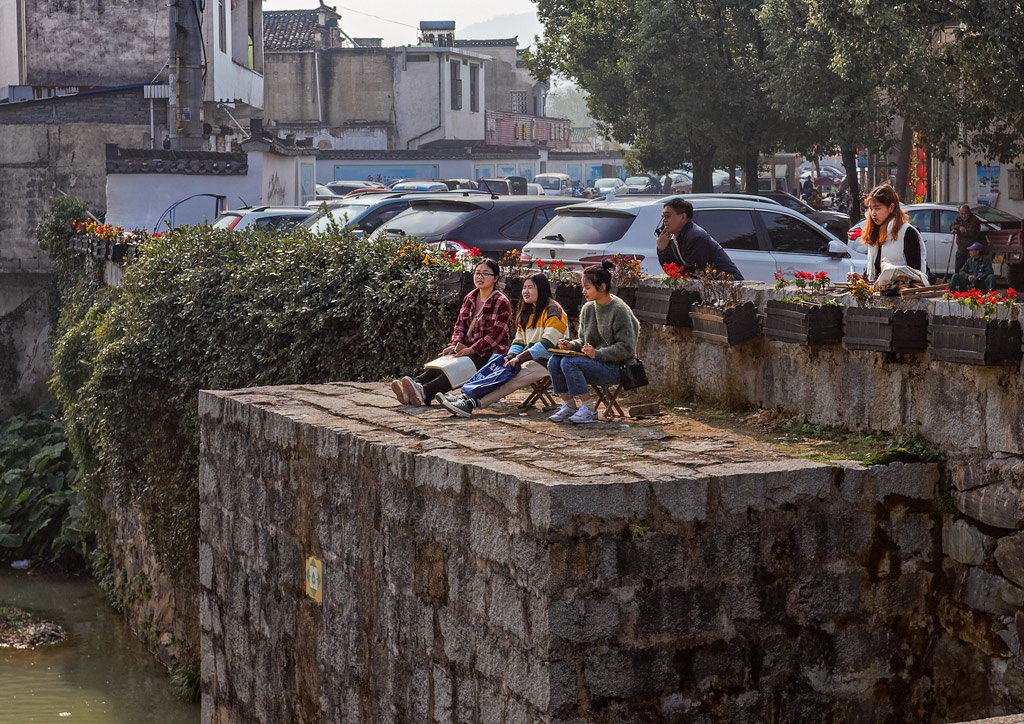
(377, 17)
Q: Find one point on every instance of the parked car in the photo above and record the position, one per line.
(681, 181)
(761, 236)
(554, 184)
(643, 185)
(365, 213)
(835, 222)
(933, 221)
(343, 188)
(492, 225)
(608, 185)
(263, 217)
(533, 189)
(458, 184)
(420, 186)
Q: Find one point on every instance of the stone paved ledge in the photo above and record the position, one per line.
(507, 569)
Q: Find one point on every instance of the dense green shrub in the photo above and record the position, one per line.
(215, 309)
(41, 515)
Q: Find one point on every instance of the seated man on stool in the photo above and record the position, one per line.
(976, 273)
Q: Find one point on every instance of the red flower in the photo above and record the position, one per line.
(779, 275)
(672, 270)
(1010, 293)
(821, 276)
(540, 264)
(473, 251)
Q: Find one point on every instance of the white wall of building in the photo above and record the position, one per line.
(9, 46)
(232, 80)
(974, 180)
(423, 99)
(139, 201)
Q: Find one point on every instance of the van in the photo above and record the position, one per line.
(554, 184)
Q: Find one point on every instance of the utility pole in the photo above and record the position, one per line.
(185, 75)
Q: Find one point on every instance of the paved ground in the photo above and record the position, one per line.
(627, 448)
(1014, 719)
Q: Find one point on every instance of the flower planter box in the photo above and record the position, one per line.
(80, 244)
(119, 252)
(100, 249)
(628, 295)
(731, 325)
(663, 305)
(512, 287)
(886, 330)
(807, 324)
(455, 284)
(967, 340)
(570, 296)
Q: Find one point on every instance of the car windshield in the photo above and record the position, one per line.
(340, 215)
(431, 220)
(586, 226)
(602, 183)
(636, 181)
(987, 213)
(549, 182)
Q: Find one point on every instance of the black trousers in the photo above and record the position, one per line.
(435, 381)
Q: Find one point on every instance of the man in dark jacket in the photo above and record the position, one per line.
(682, 242)
(968, 232)
(975, 273)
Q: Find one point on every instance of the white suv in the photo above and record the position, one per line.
(760, 236)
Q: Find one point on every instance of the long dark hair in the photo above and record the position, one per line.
(527, 314)
(886, 195)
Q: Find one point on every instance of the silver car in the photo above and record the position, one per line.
(760, 236)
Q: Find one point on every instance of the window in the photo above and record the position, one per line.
(946, 219)
(474, 88)
(519, 99)
(589, 227)
(922, 219)
(790, 234)
(519, 228)
(732, 228)
(222, 26)
(456, 73)
(544, 215)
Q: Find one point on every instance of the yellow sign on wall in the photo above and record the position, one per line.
(314, 579)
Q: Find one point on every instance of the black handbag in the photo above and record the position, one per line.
(632, 375)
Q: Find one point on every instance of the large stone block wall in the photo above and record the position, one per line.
(26, 308)
(499, 571)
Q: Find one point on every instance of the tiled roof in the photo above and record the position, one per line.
(495, 43)
(289, 30)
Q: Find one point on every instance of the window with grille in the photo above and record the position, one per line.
(519, 99)
(456, 71)
(474, 88)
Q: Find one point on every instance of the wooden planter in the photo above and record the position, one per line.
(886, 330)
(455, 284)
(513, 289)
(967, 340)
(807, 324)
(101, 249)
(732, 325)
(628, 295)
(663, 305)
(570, 296)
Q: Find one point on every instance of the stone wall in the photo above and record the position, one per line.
(26, 309)
(505, 569)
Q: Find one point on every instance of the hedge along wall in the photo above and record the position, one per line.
(211, 309)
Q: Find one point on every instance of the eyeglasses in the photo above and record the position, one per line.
(483, 274)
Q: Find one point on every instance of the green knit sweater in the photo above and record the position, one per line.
(612, 330)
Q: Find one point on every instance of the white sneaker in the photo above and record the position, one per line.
(414, 391)
(399, 390)
(584, 415)
(562, 413)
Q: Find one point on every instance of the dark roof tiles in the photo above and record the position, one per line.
(289, 30)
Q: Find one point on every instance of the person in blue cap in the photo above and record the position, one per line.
(976, 273)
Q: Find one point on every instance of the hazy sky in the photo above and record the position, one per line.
(396, 21)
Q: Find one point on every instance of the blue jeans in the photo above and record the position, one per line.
(574, 374)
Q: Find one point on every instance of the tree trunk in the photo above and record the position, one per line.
(903, 165)
(850, 164)
(703, 158)
(751, 169)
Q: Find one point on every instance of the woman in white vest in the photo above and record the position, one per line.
(895, 250)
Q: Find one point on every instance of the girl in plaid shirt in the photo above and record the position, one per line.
(481, 329)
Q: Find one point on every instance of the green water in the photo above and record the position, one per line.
(101, 674)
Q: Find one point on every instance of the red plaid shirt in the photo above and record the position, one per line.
(491, 332)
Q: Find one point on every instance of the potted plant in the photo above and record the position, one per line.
(882, 329)
(626, 278)
(568, 289)
(670, 303)
(974, 336)
(807, 316)
(512, 274)
(455, 276)
(723, 317)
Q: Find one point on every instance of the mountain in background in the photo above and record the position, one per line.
(523, 25)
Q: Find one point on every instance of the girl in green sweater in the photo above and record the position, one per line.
(608, 337)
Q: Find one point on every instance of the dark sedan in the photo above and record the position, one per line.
(494, 225)
(835, 222)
